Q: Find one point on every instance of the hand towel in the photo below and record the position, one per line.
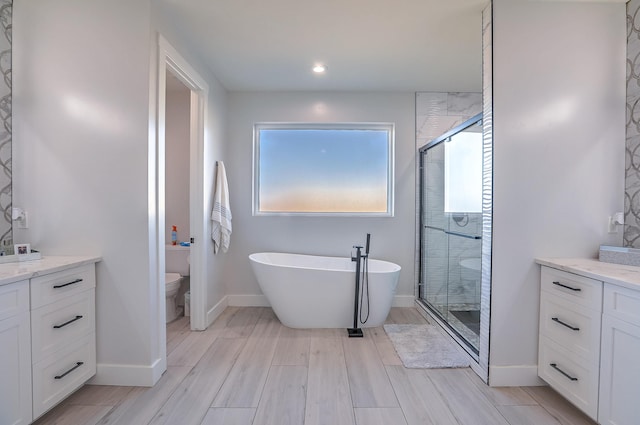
(221, 214)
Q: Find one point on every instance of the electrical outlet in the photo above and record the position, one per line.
(24, 222)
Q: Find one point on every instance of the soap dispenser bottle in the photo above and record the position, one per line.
(174, 235)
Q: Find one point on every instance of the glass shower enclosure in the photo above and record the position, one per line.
(451, 230)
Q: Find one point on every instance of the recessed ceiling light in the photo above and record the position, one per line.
(319, 69)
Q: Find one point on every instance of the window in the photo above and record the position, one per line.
(463, 172)
(323, 169)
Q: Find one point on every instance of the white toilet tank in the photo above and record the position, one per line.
(177, 259)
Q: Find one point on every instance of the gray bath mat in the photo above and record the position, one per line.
(425, 347)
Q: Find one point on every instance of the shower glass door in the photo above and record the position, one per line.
(451, 229)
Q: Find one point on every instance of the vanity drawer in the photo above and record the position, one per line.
(574, 378)
(574, 288)
(59, 324)
(575, 327)
(55, 286)
(14, 299)
(622, 303)
(58, 375)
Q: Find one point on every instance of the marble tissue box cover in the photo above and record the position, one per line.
(619, 255)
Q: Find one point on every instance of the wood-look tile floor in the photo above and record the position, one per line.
(247, 369)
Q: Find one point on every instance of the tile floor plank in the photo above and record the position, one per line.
(468, 405)
(142, 404)
(244, 385)
(501, 396)
(74, 415)
(328, 396)
(386, 351)
(284, 397)
(99, 395)
(368, 380)
(268, 325)
(421, 402)
(527, 415)
(174, 339)
(242, 322)
(292, 348)
(224, 416)
(563, 411)
(380, 416)
(190, 401)
(191, 349)
(181, 324)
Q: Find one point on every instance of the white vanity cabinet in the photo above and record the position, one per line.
(569, 344)
(620, 363)
(589, 343)
(15, 354)
(47, 334)
(63, 344)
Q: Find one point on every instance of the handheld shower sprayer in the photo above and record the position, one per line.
(366, 250)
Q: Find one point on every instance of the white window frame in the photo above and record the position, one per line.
(388, 127)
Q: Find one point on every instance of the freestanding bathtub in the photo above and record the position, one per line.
(307, 291)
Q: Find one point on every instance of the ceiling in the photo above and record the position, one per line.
(368, 45)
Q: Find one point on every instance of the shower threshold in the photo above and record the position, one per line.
(464, 336)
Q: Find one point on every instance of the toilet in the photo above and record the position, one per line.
(177, 266)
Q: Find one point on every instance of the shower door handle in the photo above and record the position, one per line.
(449, 232)
(462, 235)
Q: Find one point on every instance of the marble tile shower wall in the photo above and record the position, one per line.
(446, 283)
(6, 235)
(632, 172)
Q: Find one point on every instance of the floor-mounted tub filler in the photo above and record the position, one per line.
(307, 291)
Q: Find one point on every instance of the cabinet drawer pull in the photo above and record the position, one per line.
(555, 366)
(78, 364)
(67, 322)
(67, 284)
(568, 287)
(555, 319)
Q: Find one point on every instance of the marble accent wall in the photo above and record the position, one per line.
(437, 113)
(631, 236)
(6, 235)
(487, 191)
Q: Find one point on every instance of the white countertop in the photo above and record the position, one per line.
(617, 274)
(14, 272)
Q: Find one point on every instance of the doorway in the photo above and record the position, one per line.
(171, 64)
(177, 193)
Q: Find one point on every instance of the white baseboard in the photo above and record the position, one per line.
(403, 301)
(128, 375)
(248, 301)
(514, 376)
(216, 310)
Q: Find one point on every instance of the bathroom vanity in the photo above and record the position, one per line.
(589, 342)
(47, 333)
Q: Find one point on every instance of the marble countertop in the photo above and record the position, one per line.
(617, 274)
(22, 270)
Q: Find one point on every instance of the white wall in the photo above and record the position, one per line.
(559, 119)
(81, 127)
(82, 130)
(391, 238)
(177, 132)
